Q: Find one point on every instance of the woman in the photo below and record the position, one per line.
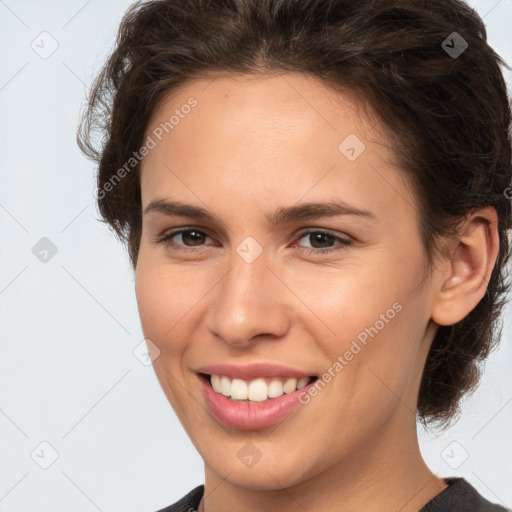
(314, 195)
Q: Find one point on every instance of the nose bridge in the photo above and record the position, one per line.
(248, 300)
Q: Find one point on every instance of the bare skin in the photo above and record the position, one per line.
(253, 145)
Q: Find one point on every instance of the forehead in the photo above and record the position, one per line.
(292, 104)
(291, 92)
(287, 133)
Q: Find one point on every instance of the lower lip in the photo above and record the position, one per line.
(250, 416)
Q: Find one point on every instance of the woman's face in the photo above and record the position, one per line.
(265, 287)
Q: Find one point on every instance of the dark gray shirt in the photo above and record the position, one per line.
(459, 496)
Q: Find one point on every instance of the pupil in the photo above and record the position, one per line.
(194, 236)
(317, 237)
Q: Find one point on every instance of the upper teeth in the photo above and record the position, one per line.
(256, 390)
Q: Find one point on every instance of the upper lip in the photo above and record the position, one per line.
(252, 371)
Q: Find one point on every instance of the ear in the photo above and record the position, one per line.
(465, 275)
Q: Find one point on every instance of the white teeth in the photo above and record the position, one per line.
(290, 386)
(239, 389)
(225, 386)
(257, 390)
(303, 382)
(215, 380)
(275, 388)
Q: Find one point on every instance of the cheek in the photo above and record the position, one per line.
(374, 319)
(164, 298)
(348, 299)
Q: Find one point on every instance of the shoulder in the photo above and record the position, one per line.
(188, 503)
(461, 496)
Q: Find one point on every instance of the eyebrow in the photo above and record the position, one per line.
(302, 211)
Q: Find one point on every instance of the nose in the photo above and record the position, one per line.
(250, 301)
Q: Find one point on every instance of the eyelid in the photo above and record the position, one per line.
(165, 238)
(308, 231)
(343, 241)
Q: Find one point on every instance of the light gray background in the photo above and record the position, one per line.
(68, 374)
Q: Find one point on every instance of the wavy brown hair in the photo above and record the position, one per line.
(447, 119)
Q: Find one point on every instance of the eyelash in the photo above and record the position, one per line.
(343, 242)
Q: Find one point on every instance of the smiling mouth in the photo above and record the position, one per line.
(260, 389)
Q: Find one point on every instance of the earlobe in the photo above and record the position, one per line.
(464, 282)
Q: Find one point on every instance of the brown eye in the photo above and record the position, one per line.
(323, 241)
(189, 238)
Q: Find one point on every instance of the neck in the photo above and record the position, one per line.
(397, 478)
